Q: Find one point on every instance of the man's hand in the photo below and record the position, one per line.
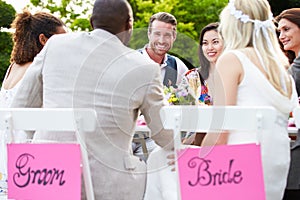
(171, 162)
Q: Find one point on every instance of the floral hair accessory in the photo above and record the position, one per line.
(258, 25)
(238, 14)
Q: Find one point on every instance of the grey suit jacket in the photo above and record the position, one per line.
(295, 71)
(293, 181)
(95, 70)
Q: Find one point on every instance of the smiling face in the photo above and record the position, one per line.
(212, 45)
(289, 35)
(161, 37)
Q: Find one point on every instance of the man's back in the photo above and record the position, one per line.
(95, 70)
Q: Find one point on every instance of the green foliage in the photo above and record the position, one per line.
(200, 12)
(7, 14)
(278, 6)
(5, 50)
(192, 16)
(81, 24)
(74, 13)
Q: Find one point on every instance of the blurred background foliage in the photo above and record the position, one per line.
(6, 17)
(192, 16)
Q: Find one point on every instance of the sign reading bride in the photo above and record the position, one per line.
(221, 172)
(44, 171)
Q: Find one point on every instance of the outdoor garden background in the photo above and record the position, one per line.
(192, 16)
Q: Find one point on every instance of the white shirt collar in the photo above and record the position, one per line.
(144, 52)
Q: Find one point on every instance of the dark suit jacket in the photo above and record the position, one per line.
(293, 182)
(295, 71)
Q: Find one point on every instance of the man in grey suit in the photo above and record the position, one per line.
(96, 70)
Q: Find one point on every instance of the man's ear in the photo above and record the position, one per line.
(91, 22)
(175, 35)
(43, 39)
(149, 33)
(129, 24)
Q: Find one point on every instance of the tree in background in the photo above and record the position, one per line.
(6, 18)
(192, 16)
(74, 13)
(279, 5)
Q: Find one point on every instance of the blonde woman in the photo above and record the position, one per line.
(252, 72)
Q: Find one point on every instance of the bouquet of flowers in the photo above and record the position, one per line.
(182, 95)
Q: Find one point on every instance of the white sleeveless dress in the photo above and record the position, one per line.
(6, 97)
(256, 90)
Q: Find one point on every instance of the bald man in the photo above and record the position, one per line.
(96, 70)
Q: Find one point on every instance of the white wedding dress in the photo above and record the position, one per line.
(256, 90)
(6, 97)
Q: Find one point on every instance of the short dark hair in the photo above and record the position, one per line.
(110, 15)
(163, 17)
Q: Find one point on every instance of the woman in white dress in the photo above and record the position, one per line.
(252, 71)
(31, 34)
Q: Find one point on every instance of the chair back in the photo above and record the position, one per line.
(212, 119)
(216, 118)
(54, 119)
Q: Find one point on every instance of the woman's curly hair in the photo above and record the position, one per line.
(28, 27)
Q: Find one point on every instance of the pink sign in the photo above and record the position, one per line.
(221, 172)
(44, 171)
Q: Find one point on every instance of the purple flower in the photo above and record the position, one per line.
(182, 93)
